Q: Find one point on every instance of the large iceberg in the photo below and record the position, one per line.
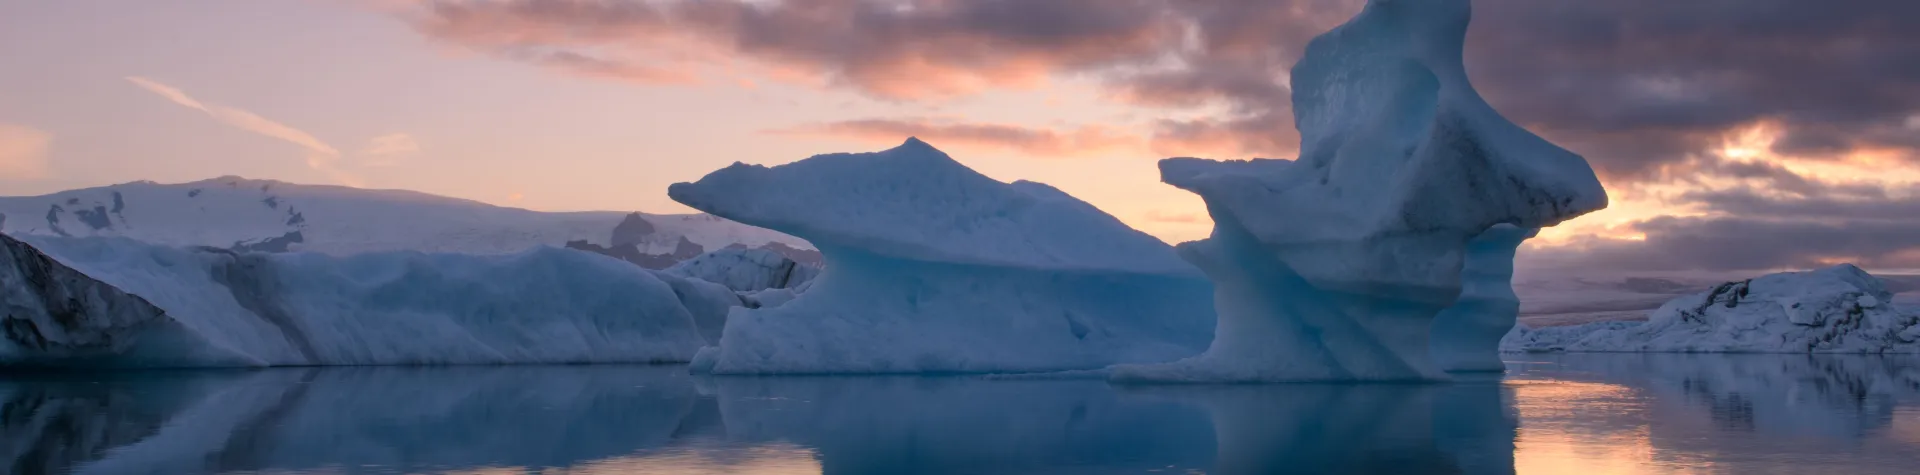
(932, 267)
(1466, 336)
(1839, 309)
(120, 303)
(1334, 266)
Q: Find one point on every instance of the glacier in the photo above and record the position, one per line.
(114, 302)
(1838, 309)
(1334, 266)
(1466, 336)
(932, 267)
(272, 216)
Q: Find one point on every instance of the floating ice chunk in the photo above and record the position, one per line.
(932, 267)
(1334, 266)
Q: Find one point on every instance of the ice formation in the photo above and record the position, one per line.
(216, 308)
(746, 270)
(932, 267)
(1334, 266)
(1466, 336)
(1839, 309)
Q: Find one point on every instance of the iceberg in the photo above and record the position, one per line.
(1466, 336)
(114, 302)
(932, 267)
(1839, 309)
(1334, 266)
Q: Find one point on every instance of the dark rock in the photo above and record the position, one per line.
(61, 314)
(281, 243)
(634, 229)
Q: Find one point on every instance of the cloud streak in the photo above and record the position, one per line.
(237, 118)
(320, 157)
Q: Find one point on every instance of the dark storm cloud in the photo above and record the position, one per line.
(1632, 84)
(1743, 243)
(1814, 224)
(1838, 75)
(1752, 205)
(897, 50)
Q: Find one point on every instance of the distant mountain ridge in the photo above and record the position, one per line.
(232, 212)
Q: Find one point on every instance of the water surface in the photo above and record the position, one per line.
(1586, 414)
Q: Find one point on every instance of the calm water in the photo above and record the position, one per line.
(1585, 414)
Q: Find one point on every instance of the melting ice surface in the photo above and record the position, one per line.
(1570, 413)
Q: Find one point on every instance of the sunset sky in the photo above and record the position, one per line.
(1731, 134)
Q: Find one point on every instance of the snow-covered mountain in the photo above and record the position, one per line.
(1840, 309)
(1557, 297)
(265, 215)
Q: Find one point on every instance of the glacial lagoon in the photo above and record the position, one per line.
(1550, 413)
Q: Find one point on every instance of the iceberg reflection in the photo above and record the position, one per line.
(1552, 414)
(1661, 413)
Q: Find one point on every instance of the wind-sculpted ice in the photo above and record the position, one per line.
(1466, 336)
(1839, 309)
(1334, 266)
(120, 303)
(932, 267)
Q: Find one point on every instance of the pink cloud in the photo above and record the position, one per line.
(1034, 141)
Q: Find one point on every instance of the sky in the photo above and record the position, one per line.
(1731, 134)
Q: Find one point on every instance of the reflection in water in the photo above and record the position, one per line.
(1589, 414)
(1711, 413)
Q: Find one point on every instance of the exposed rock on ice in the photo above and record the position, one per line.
(1838, 309)
(746, 270)
(1466, 336)
(51, 311)
(932, 267)
(1334, 266)
(213, 308)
